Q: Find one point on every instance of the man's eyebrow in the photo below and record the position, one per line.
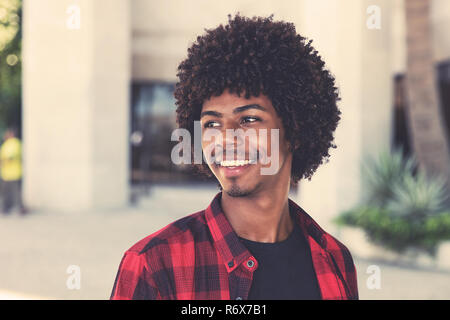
(249, 106)
(211, 113)
(236, 110)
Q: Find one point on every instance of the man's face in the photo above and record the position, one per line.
(230, 112)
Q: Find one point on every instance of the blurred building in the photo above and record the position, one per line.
(98, 78)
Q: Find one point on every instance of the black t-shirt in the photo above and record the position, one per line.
(285, 270)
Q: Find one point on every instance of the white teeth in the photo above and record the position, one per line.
(235, 163)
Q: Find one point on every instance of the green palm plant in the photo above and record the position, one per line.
(417, 196)
(402, 207)
(381, 175)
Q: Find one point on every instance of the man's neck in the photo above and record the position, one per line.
(263, 217)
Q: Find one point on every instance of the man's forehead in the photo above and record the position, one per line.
(232, 100)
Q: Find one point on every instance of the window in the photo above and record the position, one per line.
(153, 118)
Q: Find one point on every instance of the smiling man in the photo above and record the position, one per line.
(252, 242)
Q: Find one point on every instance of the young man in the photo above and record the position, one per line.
(252, 242)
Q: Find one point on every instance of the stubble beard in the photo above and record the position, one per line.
(236, 191)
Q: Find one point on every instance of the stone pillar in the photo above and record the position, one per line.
(76, 77)
(359, 57)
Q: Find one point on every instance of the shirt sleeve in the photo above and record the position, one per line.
(353, 283)
(133, 281)
(350, 275)
(345, 268)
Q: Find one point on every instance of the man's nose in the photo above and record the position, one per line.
(233, 142)
(233, 136)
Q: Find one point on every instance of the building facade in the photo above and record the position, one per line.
(83, 61)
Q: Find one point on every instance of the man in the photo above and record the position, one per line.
(11, 172)
(252, 242)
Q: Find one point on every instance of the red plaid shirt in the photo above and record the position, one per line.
(201, 257)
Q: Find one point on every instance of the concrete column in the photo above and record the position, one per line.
(76, 76)
(359, 58)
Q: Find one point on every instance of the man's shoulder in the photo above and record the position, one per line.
(338, 249)
(340, 255)
(183, 230)
(328, 242)
(343, 260)
(322, 237)
(331, 243)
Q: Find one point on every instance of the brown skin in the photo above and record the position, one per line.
(256, 205)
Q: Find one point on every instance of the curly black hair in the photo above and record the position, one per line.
(259, 55)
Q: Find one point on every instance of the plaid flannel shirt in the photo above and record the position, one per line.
(201, 257)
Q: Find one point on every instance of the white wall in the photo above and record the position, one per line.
(360, 58)
(75, 104)
(163, 30)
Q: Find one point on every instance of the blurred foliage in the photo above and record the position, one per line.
(10, 63)
(402, 207)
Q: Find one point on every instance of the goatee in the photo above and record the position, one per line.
(235, 192)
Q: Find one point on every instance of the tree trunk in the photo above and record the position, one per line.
(425, 120)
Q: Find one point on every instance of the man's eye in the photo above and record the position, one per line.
(210, 124)
(250, 119)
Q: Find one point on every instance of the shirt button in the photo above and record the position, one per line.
(250, 263)
(230, 264)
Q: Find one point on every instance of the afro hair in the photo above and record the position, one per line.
(250, 56)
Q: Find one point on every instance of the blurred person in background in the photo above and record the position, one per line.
(11, 172)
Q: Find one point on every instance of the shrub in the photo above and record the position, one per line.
(402, 208)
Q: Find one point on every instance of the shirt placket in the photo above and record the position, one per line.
(241, 276)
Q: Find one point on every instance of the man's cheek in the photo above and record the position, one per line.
(271, 153)
(208, 154)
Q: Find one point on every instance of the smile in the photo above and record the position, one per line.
(236, 163)
(235, 168)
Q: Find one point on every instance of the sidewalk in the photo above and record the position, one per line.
(36, 250)
(9, 295)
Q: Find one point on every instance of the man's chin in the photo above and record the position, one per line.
(237, 192)
(234, 190)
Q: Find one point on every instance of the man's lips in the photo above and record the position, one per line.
(233, 171)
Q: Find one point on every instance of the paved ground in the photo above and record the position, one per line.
(37, 250)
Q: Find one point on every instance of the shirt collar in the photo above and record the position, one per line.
(310, 227)
(231, 249)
